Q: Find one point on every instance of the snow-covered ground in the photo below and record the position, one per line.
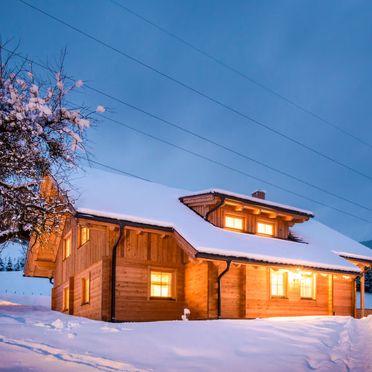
(32, 337)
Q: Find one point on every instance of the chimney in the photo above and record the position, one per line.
(260, 194)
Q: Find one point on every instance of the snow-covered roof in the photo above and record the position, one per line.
(127, 198)
(253, 200)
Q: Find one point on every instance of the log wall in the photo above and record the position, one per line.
(245, 288)
(138, 254)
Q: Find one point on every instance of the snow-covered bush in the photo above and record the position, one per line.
(39, 136)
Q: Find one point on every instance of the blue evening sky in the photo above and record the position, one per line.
(317, 53)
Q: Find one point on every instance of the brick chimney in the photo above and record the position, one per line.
(260, 194)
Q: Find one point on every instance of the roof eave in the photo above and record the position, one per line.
(257, 203)
(240, 259)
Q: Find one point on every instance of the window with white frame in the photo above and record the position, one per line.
(234, 222)
(265, 228)
(307, 285)
(278, 280)
(161, 284)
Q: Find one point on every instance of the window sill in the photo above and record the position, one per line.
(85, 303)
(162, 298)
(308, 298)
(279, 297)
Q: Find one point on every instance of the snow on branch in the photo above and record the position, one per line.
(40, 136)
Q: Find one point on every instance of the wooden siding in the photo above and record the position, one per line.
(196, 289)
(138, 254)
(342, 295)
(217, 218)
(246, 293)
(245, 288)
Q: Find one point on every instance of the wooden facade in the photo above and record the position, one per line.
(215, 209)
(150, 273)
(245, 287)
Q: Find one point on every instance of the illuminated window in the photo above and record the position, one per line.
(232, 222)
(84, 234)
(307, 284)
(278, 283)
(85, 289)
(161, 284)
(66, 299)
(265, 228)
(67, 246)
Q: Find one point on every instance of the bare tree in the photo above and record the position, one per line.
(40, 135)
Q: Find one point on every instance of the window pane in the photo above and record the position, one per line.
(85, 290)
(265, 228)
(234, 222)
(277, 283)
(67, 246)
(155, 290)
(66, 298)
(307, 286)
(165, 291)
(84, 235)
(155, 277)
(161, 284)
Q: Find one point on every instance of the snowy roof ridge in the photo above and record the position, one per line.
(356, 256)
(253, 199)
(126, 198)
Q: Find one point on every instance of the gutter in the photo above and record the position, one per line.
(213, 256)
(218, 205)
(228, 263)
(122, 224)
(113, 272)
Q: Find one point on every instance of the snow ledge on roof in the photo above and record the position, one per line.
(352, 255)
(278, 260)
(251, 198)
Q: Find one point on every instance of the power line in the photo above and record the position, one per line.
(198, 136)
(196, 91)
(195, 154)
(226, 166)
(243, 75)
(113, 168)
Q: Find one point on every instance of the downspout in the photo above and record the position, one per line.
(113, 271)
(228, 263)
(218, 205)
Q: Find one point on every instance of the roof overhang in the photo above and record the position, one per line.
(255, 203)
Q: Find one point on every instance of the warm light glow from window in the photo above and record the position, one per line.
(265, 228)
(307, 285)
(234, 222)
(85, 290)
(66, 299)
(67, 246)
(278, 283)
(84, 234)
(161, 284)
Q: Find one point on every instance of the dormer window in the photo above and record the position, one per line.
(265, 228)
(234, 222)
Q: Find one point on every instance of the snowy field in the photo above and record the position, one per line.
(34, 338)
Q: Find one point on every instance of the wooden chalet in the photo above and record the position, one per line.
(133, 250)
